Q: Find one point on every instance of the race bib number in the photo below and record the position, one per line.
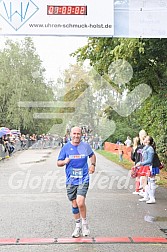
(76, 156)
(76, 173)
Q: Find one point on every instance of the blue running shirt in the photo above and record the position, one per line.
(77, 169)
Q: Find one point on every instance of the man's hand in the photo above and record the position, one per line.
(66, 161)
(91, 169)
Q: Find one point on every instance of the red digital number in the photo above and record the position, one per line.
(77, 10)
(64, 8)
(69, 9)
(56, 10)
(82, 10)
(50, 10)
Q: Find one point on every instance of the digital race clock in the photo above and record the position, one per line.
(66, 10)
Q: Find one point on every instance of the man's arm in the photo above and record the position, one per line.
(61, 163)
(93, 164)
(62, 158)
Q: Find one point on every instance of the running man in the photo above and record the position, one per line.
(74, 155)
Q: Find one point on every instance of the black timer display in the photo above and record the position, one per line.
(66, 10)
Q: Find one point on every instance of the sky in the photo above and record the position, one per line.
(54, 52)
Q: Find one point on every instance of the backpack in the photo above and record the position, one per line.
(156, 162)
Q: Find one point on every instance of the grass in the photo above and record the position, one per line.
(115, 158)
(128, 165)
(163, 178)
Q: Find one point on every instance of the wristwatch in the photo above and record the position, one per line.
(93, 164)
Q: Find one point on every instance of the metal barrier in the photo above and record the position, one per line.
(28, 144)
(2, 152)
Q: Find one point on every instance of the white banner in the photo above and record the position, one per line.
(147, 18)
(57, 17)
(90, 18)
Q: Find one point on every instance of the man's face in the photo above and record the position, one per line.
(76, 135)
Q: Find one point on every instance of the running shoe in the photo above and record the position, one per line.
(77, 232)
(151, 201)
(85, 230)
(143, 199)
(136, 193)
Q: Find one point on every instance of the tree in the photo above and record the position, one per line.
(21, 79)
(148, 60)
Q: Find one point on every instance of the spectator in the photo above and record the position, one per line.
(95, 142)
(120, 151)
(143, 179)
(23, 141)
(128, 141)
(147, 159)
(151, 186)
(136, 156)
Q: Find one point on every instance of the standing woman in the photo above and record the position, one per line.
(143, 179)
(146, 163)
(151, 187)
(136, 157)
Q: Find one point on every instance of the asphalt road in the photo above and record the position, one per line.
(34, 205)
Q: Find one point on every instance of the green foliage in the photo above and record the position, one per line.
(21, 80)
(148, 60)
(115, 158)
(152, 116)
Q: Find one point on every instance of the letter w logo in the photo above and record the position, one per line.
(17, 13)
